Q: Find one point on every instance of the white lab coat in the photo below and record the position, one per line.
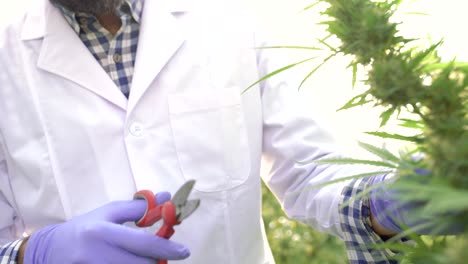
(70, 141)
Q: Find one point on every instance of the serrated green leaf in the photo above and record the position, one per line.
(355, 101)
(416, 13)
(396, 245)
(443, 65)
(385, 116)
(409, 233)
(355, 68)
(271, 74)
(323, 41)
(346, 178)
(314, 70)
(394, 3)
(355, 161)
(449, 201)
(420, 57)
(395, 136)
(310, 6)
(441, 199)
(362, 194)
(411, 123)
(380, 152)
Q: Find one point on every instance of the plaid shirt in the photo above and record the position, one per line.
(117, 55)
(9, 252)
(358, 235)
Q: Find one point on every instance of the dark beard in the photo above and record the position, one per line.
(94, 7)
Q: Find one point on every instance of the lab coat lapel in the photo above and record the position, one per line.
(161, 36)
(64, 54)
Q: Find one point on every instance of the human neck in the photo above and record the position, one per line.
(111, 22)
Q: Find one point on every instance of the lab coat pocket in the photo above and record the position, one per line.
(210, 137)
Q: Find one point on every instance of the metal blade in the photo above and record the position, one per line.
(180, 197)
(189, 207)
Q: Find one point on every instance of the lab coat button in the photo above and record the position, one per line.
(117, 58)
(83, 21)
(136, 130)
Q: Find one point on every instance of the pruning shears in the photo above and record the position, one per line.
(172, 212)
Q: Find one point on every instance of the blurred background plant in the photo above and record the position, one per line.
(296, 243)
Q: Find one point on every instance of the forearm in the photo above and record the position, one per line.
(22, 250)
(379, 229)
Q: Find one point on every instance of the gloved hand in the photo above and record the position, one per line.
(99, 237)
(386, 207)
(393, 213)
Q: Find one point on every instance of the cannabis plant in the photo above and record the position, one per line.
(406, 77)
(401, 75)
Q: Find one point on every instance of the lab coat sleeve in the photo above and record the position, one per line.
(7, 215)
(292, 138)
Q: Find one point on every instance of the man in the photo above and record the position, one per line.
(101, 98)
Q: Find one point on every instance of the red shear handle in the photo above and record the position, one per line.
(153, 211)
(169, 220)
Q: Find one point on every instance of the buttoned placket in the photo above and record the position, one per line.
(116, 57)
(112, 58)
(116, 54)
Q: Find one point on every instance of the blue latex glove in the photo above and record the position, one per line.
(386, 207)
(396, 215)
(99, 237)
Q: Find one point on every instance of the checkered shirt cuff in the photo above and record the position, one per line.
(9, 252)
(359, 237)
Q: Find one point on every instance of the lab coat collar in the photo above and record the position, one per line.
(161, 35)
(62, 53)
(35, 19)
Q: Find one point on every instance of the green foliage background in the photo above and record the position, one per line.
(296, 243)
